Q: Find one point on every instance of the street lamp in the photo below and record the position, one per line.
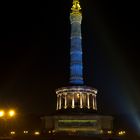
(5, 116)
(121, 133)
(1, 113)
(36, 133)
(11, 113)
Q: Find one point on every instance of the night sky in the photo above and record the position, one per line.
(34, 54)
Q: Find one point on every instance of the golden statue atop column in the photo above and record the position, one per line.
(76, 6)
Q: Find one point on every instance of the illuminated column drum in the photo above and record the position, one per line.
(76, 66)
(76, 97)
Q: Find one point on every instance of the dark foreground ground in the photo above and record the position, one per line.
(67, 138)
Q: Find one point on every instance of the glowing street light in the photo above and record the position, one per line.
(5, 115)
(12, 132)
(1, 113)
(109, 132)
(37, 133)
(25, 132)
(11, 113)
(121, 133)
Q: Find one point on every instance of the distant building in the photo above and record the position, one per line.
(76, 104)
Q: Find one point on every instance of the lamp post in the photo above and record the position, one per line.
(5, 116)
(1, 113)
(11, 113)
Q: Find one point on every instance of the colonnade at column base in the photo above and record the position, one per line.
(76, 97)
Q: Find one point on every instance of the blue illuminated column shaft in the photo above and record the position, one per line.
(76, 64)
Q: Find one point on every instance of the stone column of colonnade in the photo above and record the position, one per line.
(90, 101)
(57, 107)
(60, 101)
(73, 101)
(65, 97)
(81, 101)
